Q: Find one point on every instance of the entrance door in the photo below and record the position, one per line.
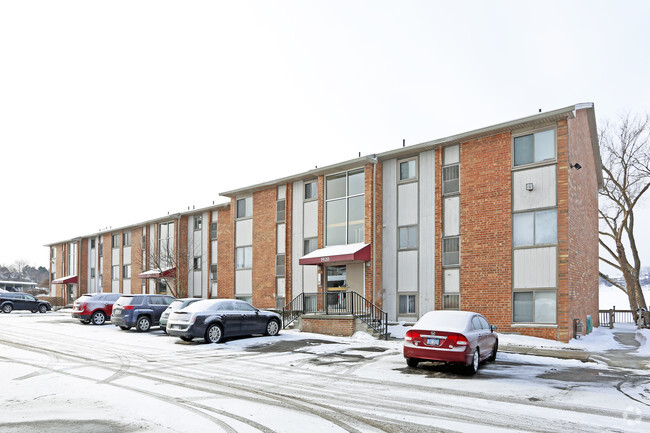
(355, 278)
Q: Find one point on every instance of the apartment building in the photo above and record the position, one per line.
(501, 220)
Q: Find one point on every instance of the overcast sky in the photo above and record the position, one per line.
(116, 112)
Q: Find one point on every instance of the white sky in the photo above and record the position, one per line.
(116, 112)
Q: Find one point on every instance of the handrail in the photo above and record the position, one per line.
(344, 302)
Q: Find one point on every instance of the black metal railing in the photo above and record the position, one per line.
(337, 303)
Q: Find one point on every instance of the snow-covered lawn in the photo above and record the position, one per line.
(59, 375)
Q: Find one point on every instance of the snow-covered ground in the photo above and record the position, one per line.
(59, 375)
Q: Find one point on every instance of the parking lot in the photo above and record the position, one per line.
(60, 375)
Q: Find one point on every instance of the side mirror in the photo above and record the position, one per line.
(493, 328)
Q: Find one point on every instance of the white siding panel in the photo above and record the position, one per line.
(282, 192)
(244, 233)
(427, 232)
(281, 287)
(153, 237)
(311, 219)
(115, 286)
(296, 240)
(244, 282)
(196, 285)
(310, 274)
(452, 280)
(126, 287)
(115, 256)
(214, 251)
(535, 267)
(126, 255)
(407, 212)
(281, 238)
(451, 155)
(389, 239)
(205, 268)
(451, 211)
(407, 271)
(544, 193)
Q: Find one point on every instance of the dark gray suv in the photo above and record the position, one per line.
(141, 311)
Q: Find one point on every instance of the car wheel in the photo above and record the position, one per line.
(187, 338)
(214, 334)
(472, 368)
(493, 356)
(411, 362)
(33, 311)
(42, 309)
(272, 328)
(85, 322)
(125, 328)
(6, 308)
(98, 318)
(143, 325)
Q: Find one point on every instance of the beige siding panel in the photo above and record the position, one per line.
(310, 275)
(244, 282)
(407, 271)
(544, 188)
(407, 202)
(535, 267)
(244, 233)
(451, 212)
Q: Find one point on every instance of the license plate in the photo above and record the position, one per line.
(433, 341)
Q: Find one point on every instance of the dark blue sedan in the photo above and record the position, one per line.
(216, 319)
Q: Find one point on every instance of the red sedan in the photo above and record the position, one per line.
(458, 337)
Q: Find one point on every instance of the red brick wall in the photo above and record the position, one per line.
(331, 326)
(136, 260)
(264, 247)
(226, 252)
(106, 271)
(182, 254)
(486, 228)
(583, 222)
(82, 263)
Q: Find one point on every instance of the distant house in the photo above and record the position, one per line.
(16, 286)
(501, 220)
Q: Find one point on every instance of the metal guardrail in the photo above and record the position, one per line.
(337, 303)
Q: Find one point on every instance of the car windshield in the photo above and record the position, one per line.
(175, 305)
(453, 321)
(201, 305)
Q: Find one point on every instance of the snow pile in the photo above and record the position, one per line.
(399, 330)
(643, 337)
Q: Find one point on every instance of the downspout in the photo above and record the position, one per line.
(374, 228)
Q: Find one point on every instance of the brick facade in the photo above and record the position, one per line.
(333, 325)
(226, 252)
(264, 247)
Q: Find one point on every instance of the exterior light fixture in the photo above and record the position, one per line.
(529, 187)
(576, 166)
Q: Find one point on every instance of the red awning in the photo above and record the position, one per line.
(158, 273)
(70, 279)
(338, 253)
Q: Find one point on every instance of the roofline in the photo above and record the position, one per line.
(176, 216)
(595, 144)
(489, 130)
(341, 166)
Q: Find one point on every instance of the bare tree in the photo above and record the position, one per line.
(625, 151)
(19, 265)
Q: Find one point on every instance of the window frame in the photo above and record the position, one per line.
(115, 240)
(445, 263)
(197, 263)
(214, 230)
(244, 264)
(399, 170)
(346, 198)
(280, 268)
(248, 210)
(534, 292)
(533, 132)
(408, 228)
(315, 190)
(126, 239)
(534, 244)
(415, 304)
(198, 223)
(126, 272)
(283, 211)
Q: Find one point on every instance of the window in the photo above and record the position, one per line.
(198, 223)
(244, 257)
(245, 207)
(126, 237)
(311, 190)
(92, 244)
(534, 228)
(115, 241)
(537, 306)
(344, 208)
(92, 272)
(213, 231)
(72, 258)
(408, 237)
(166, 234)
(196, 263)
(451, 251)
(451, 179)
(536, 147)
(101, 249)
(115, 272)
(310, 245)
(213, 272)
(451, 289)
(144, 240)
(279, 265)
(280, 212)
(408, 170)
(407, 304)
(126, 272)
(247, 298)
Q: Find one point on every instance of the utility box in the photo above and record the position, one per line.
(577, 328)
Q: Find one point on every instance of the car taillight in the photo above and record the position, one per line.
(82, 306)
(411, 335)
(192, 319)
(458, 340)
(128, 307)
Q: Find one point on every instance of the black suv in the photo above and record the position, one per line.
(141, 311)
(22, 301)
